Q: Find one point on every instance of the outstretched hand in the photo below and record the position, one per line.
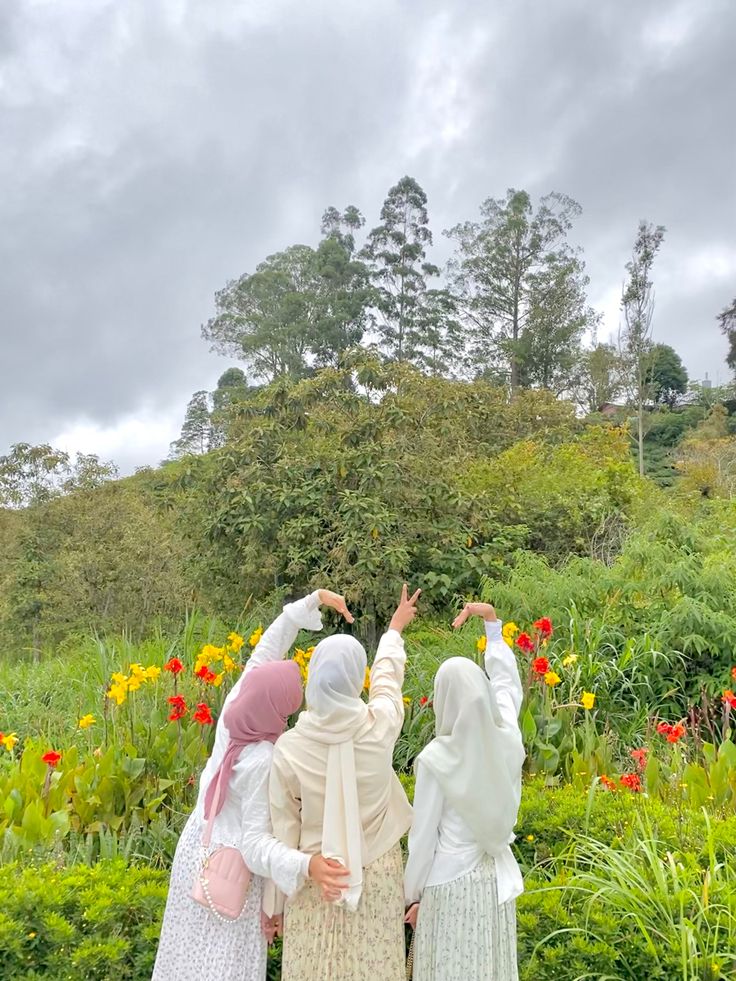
(406, 610)
(484, 610)
(329, 875)
(336, 602)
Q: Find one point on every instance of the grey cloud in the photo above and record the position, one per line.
(151, 151)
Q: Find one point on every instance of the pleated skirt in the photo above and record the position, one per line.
(462, 932)
(323, 943)
(194, 944)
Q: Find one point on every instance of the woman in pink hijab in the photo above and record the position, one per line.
(196, 945)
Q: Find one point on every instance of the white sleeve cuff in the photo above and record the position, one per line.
(493, 629)
(304, 869)
(304, 613)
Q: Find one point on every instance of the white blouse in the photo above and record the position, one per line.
(244, 821)
(441, 846)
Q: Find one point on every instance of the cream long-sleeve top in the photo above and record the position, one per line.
(245, 821)
(298, 772)
(441, 845)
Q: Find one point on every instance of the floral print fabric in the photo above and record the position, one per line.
(324, 943)
(462, 932)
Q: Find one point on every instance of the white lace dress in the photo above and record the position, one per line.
(195, 945)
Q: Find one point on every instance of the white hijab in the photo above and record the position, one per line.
(336, 715)
(475, 758)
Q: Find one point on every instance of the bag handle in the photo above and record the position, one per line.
(207, 837)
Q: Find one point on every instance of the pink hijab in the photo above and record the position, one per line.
(268, 696)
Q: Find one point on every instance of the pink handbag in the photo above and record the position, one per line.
(222, 883)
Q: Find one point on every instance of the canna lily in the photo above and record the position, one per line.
(568, 660)
(228, 664)
(551, 678)
(178, 707)
(86, 721)
(407, 700)
(173, 666)
(481, 644)
(631, 781)
(640, 757)
(588, 700)
(255, 636)
(204, 674)
(203, 714)
(509, 631)
(608, 783)
(543, 627)
(729, 698)
(540, 665)
(8, 740)
(525, 643)
(367, 680)
(52, 758)
(118, 693)
(733, 673)
(235, 642)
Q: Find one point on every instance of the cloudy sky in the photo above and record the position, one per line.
(150, 150)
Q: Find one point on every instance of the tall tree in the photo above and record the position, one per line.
(521, 287)
(267, 317)
(666, 376)
(397, 253)
(727, 320)
(342, 287)
(600, 381)
(635, 336)
(197, 431)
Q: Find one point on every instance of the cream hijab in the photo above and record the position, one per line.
(335, 716)
(475, 757)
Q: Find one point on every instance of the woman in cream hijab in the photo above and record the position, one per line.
(333, 790)
(462, 878)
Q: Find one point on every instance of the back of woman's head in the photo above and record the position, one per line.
(336, 673)
(459, 686)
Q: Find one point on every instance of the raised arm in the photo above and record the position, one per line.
(500, 664)
(423, 835)
(387, 674)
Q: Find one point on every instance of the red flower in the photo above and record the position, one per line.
(423, 700)
(608, 783)
(179, 708)
(52, 758)
(525, 643)
(729, 698)
(174, 666)
(632, 781)
(733, 673)
(664, 728)
(203, 715)
(676, 733)
(544, 626)
(205, 674)
(640, 756)
(540, 665)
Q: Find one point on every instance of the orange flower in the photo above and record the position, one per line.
(608, 783)
(632, 782)
(729, 698)
(640, 756)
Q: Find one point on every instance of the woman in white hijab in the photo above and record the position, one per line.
(333, 790)
(461, 877)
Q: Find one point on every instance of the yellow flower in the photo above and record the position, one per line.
(236, 642)
(481, 644)
(217, 681)
(552, 679)
(86, 721)
(31, 935)
(135, 681)
(588, 700)
(8, 741)
(118, 693)
(228, 664)
(530, 837)
(570, 659)
(255, 636)
(407, 700)
(308, 653)
(509, 631)
(367, 679)
(120, 679)
(152, 672)
(210, 653)
(137, 671)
